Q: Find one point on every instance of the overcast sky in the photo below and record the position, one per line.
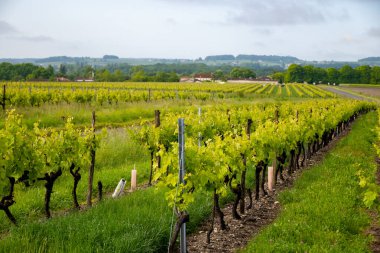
(307, 29)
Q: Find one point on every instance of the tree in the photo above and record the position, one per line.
(219, 75)
(333, 75)
(308, 74)
(375, 75)
(6, 70)
(62, 70)
(364, 73)
(240, 73)
(118, 76)
(348, 74)
(173, 77)
(103, 75)
(161, 77)
(320, 75)
(294, 74)
(139, 76)
(87, 71)
(279, 76)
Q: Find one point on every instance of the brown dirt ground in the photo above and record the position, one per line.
(264, 212)
(368, 91)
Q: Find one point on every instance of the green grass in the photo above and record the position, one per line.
(323, 212)
(137, 223)
(359, 85)
(107, 115)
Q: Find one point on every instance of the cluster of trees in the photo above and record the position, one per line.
(235, 73)
(25, 71)
(30, 72)
(362, 74)
(138, 74)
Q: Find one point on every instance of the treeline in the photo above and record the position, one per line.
(25, 72)
(125, 72)
(30, 72)
(172, 73)
(298, 74)
(245, 57)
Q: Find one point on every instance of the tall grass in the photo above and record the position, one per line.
(137, 223)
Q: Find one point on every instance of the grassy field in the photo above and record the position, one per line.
(323, 212)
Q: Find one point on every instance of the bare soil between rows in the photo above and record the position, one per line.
(369, 91)
(263, 213)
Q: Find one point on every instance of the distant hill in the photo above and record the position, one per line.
(223, 57)
(370, 59)
(244, 60)
(267, 58)
(110, 57)
(253, 58)
(61, 59)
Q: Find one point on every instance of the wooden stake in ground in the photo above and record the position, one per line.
(270, 178)
(157, 123)
(4, 94)
(92, 166)
(133, 179)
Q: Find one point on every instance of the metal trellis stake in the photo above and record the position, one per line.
(181, 158)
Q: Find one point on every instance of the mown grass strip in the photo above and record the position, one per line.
(323, 212)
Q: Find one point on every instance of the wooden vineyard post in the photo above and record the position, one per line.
(273, 168)
(157, 123)
(92, 165)
(243, 174)
(270, 178)
(4, 94)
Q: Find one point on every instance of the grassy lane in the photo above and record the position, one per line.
(323, 212)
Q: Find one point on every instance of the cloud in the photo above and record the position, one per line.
(3, 5)
(264, 31)
(39, 38)
(374, 32)
(6, 28)
(349, 39)
(171, 21)
(8, 31)
(272, 13)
